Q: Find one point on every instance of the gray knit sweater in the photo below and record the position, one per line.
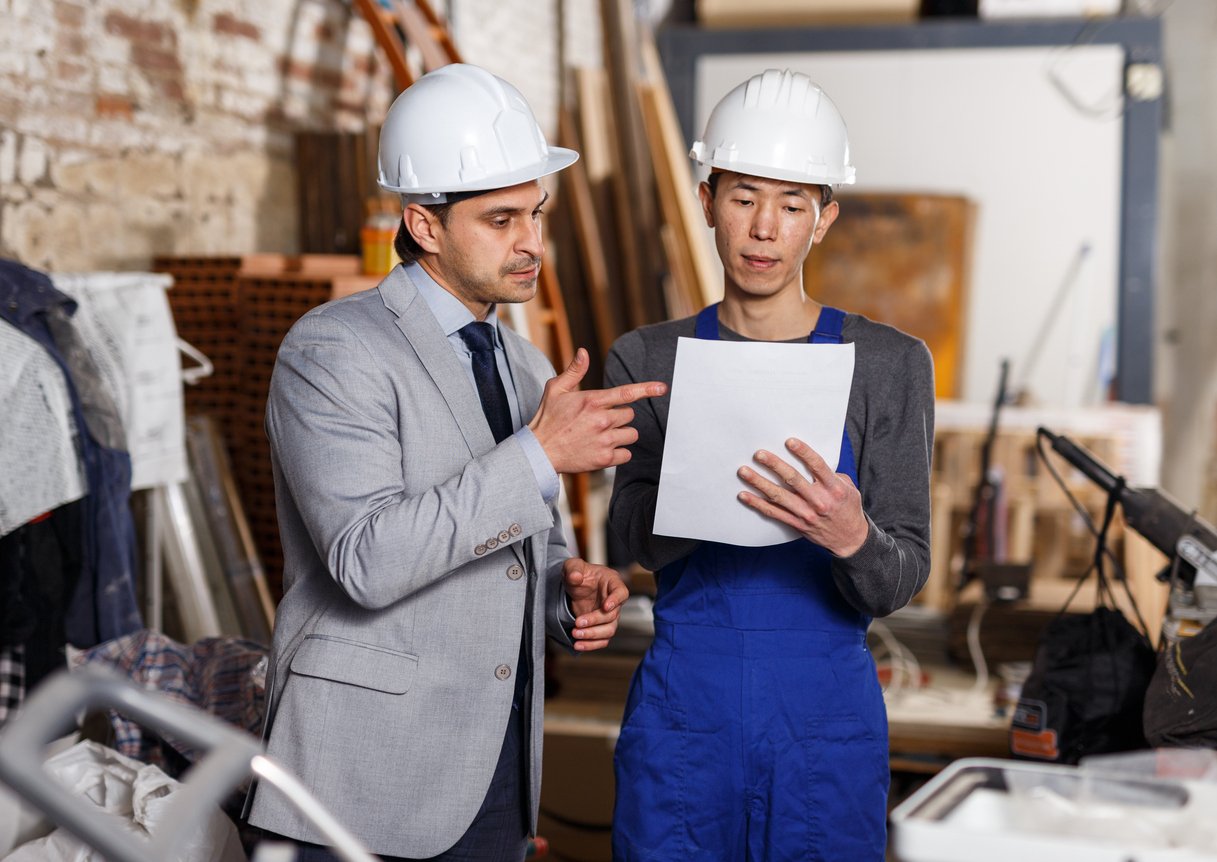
(891, 427)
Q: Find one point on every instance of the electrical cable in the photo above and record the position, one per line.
(978, 656)
(1115, 106)
(900, 659)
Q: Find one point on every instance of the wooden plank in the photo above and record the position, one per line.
(674, 154)
(591, 84)
(687, 293)
(587, 231)
(420, 33)
(803, 13)
(678, 292)
(598, 139)
(388, 40)
(633, 181)
(440, 30)
(903, 260)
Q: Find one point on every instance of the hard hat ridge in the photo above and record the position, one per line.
(460, 129)
(779, 125)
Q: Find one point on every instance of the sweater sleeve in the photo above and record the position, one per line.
(636, 487)
(894, 479)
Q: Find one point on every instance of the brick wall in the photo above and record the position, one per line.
(131, 128)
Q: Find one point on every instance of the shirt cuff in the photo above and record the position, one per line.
(566, 616)
(547, 478)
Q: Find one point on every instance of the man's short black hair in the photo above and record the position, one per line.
(409, 250)
(712, 181)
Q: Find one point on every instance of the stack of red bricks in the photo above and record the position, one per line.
(236, 310)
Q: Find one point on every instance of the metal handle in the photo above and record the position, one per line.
(51, 710)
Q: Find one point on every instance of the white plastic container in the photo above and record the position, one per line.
(980, 810)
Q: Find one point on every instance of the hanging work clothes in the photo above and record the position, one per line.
(40, 467)
(104, 604)
(755, 726)
(40, 566)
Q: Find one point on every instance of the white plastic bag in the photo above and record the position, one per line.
(135, 795)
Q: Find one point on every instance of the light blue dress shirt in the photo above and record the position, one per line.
(454, 316)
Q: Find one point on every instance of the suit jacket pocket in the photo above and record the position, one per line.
(355, 663)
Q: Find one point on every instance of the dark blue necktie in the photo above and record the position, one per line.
(479, 338)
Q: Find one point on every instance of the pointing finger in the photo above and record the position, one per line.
(631, 392)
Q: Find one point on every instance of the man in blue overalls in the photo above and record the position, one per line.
(755, 727)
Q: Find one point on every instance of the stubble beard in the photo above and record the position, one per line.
(481, 286)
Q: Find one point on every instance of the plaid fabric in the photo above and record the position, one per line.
(12, 680)
(224, 676)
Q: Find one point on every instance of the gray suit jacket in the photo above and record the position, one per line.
(405, 529)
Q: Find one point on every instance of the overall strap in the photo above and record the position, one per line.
(828, 327)
(707, 323)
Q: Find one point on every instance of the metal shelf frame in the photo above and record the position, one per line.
(1141, 39)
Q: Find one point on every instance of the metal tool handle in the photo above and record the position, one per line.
(51, 711)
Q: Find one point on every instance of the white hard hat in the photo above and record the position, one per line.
(778, 125)
(461, 129)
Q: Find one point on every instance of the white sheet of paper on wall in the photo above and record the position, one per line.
(730, 399)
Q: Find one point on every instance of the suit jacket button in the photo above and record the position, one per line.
(514, 529)
(515, 573)
(492, 543)
(502, 671)
(504, 536)
(479, 550)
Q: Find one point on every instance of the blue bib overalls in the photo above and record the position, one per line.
(755, 727)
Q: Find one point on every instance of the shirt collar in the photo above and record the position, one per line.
(451, 313)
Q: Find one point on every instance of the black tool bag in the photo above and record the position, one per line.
(1087, 686)
(1181, 705)
(1086, 690)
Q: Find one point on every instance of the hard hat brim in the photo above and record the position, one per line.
(827, 178)
(556, 159)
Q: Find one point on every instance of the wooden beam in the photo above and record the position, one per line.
(440, 29)
(421, 34)
(587, 231)
(672, 230)
(387, 38)
(675, 154)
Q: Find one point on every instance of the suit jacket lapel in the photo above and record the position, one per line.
(423, 331)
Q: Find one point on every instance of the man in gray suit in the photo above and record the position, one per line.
(416, 447)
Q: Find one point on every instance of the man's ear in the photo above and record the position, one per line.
(424, 226)
(707, 203)
(828, 215)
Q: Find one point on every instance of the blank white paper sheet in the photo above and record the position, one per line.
(730, 399)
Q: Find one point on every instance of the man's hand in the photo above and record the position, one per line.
(596, 595)
(585, 431)
(827, 511)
